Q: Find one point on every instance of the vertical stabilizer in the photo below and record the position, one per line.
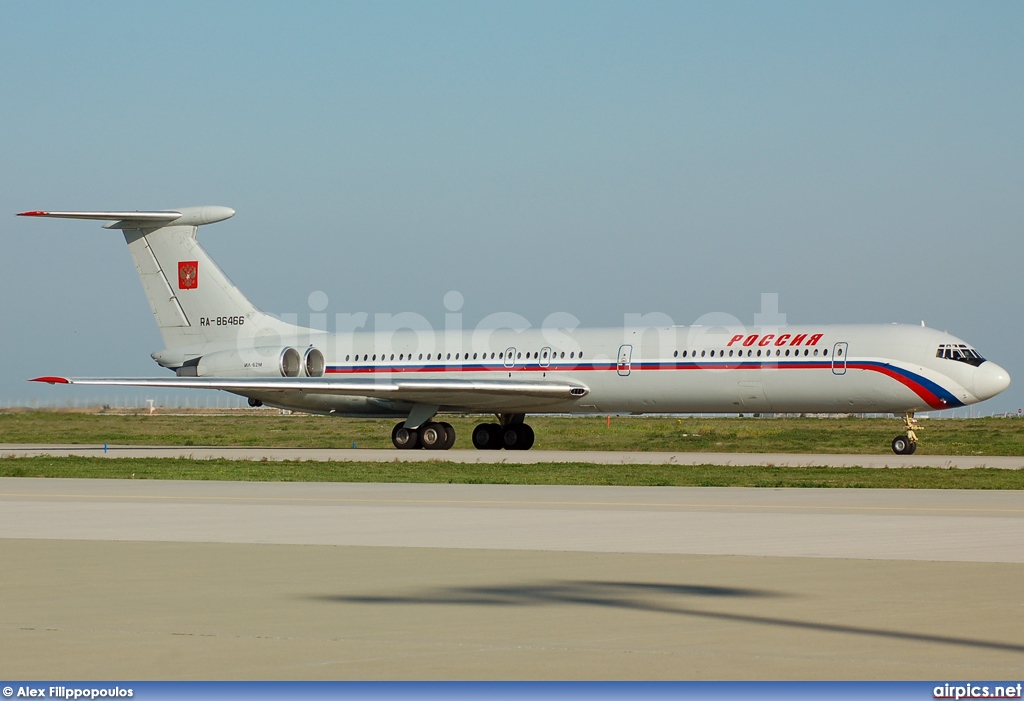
(193, 301)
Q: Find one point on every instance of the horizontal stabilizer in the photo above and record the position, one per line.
(186, 216)
(107, 216)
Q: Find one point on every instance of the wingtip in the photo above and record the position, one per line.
(33, 213)
(52, 380)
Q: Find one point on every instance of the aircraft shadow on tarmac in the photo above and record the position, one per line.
(638, 596)
(592, 593)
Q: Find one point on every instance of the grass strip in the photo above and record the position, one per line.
(541, 474)
(988, 436)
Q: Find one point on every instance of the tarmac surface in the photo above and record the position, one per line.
(123, 579)
(513, 457)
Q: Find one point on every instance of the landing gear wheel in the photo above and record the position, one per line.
(487, 437)
(901, 445)
(405, 438)
(906, 445)
(449, 433)
(528, 436)
(433, 436)
(517, 437)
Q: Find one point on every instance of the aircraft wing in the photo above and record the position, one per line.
(442, 392)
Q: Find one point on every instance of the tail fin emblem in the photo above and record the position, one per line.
(188, 275)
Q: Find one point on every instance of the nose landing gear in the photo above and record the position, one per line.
(906, 445)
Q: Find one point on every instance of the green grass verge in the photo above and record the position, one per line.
(543, 473)
(988, 436)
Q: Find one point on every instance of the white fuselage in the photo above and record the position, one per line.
(826, 368)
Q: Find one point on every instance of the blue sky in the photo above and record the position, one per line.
(862, 160)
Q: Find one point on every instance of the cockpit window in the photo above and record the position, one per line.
(960, 352)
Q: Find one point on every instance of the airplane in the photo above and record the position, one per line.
(215, 338)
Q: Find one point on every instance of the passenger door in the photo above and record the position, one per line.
(839, 352)
(625, 357)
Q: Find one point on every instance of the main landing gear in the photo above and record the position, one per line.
(906, 445)
(510, 433)
(436, 435)
(510, 437)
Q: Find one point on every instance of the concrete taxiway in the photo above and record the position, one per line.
(122, 579)
(599, 457)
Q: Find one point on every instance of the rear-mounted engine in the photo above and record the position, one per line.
(257, 362)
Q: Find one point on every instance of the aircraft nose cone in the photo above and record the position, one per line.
(990, 380)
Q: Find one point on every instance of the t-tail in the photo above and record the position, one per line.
(195, 305)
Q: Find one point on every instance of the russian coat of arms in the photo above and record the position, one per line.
(188, 275)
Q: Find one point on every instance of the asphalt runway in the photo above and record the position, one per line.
(600, 457)
(123, 579)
